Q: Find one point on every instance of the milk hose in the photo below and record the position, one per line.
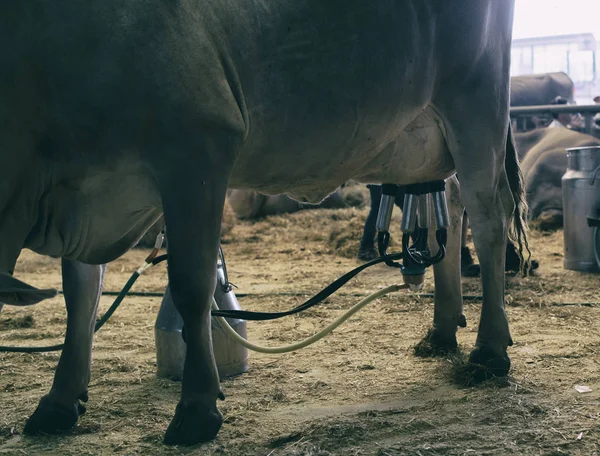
(153, 260)
(312, 339)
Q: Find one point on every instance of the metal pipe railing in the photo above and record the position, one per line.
(586, 111)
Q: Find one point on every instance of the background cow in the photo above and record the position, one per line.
(247, 204)
(540, 89)
(250, 205)
(544, 162)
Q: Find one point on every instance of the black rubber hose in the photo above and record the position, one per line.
(316, 299)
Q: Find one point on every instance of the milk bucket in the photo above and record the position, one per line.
(230, 356)
(581, 197)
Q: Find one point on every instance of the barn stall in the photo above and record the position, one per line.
(360, 391)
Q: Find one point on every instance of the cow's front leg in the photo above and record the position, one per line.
(193, 194)
(448, 316)
(59, 410)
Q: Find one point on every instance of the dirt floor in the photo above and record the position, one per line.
(361, 391)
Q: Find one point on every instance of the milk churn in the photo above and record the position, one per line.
(581, 197)
(231, 357)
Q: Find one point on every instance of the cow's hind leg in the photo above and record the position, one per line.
(448, 316)
(59, 410)
(483, 163)
(193, 185)
(490, 212)
(479, 154)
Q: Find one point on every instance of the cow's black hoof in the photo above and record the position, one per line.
(485, 364)
(367, 253)
(436, 344)
(468, 268)
(473, 270)
(513, 261)
(51, 417)
(192, 424)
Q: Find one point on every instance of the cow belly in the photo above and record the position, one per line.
(97, 219)
(417, 153)
(109, 238)
(311, 163)
(122, 207)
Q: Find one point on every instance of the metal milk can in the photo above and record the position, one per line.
(230, 356)
(581, 197)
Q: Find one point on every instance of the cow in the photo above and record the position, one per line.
(114, 112)
(248, 204)
(541, 89)
(543, 163)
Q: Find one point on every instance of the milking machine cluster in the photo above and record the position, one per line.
(419, 199)
(229, 321)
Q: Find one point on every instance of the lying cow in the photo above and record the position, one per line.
(544, 162)
(250, 205)
(113, 112)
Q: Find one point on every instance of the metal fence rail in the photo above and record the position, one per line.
(586, 111)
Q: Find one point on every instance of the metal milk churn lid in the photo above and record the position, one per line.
(581, 197)
(231, 357)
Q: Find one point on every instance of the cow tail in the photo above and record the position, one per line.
(517, 232)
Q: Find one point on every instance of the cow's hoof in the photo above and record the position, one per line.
(50, 417)
(513, 261)
(468, 267)
(367, 253)
(471, 270)
(193, 424)
(485, 364)
(435, 343)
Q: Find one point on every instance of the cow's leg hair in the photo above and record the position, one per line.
(193, 192)
(59, 410)
(441, 338)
